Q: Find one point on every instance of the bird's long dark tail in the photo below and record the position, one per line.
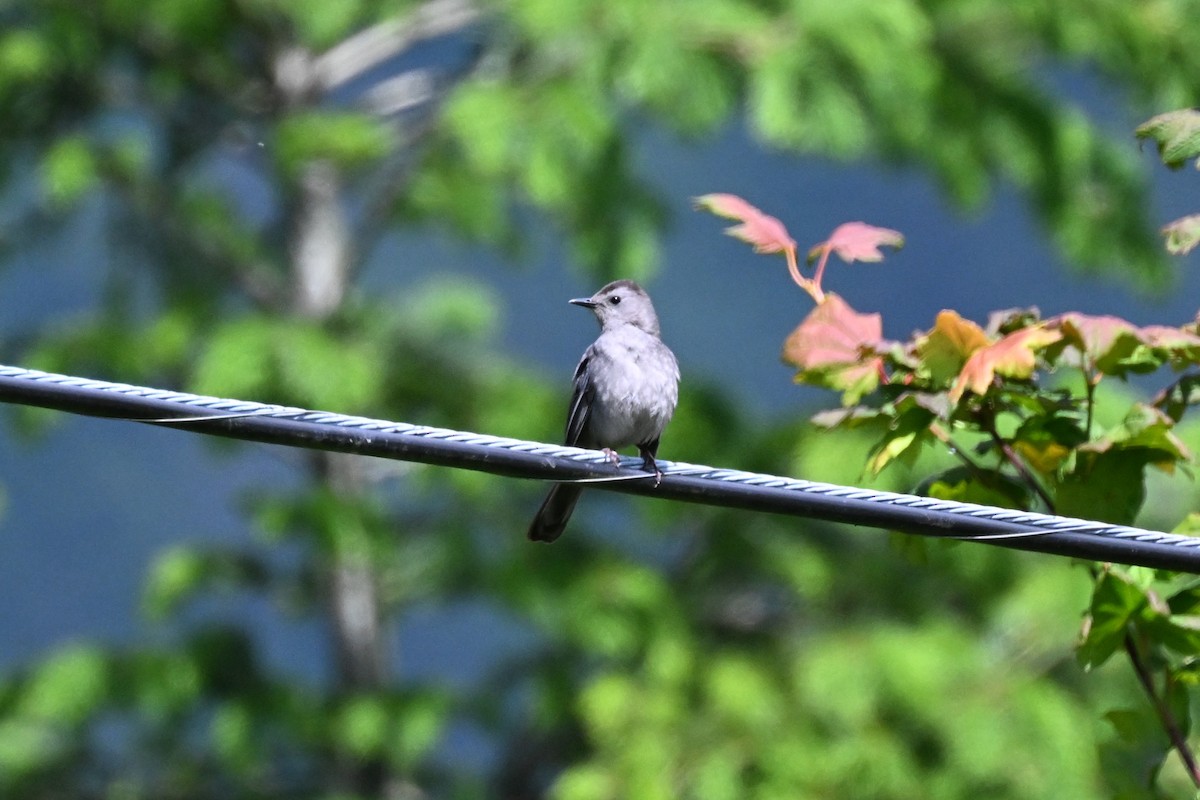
(556, 510)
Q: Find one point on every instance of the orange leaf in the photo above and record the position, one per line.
(1014, 356)
(857, 241)
(837, 347)
(946, 348)
(767, 234)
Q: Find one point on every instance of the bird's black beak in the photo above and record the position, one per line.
(586, 302)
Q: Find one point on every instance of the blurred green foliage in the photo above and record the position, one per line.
(688, 652)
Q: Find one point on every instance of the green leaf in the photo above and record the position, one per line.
(347, 139)
(687, 87)
(27, 746)
(361, 726)
(1116, 600)
(1045, 442)
(963, 485)
(421, 721)
(449, 308)
(741, 691)
(1146, 435)
(160, 685)
(1110, 487)
(68, 171)
(1177, 134)
(587, 782)
(484, 120)
(321, 371)
(233, 736)
(237, 361)
(182, 572)
(320, 23)
(24, 55)
(1182, 235)
(1179, 632)
(608, 704)
(294, 361)
(1189, 525)
(904, 437)
(67, 687)
(1133, 760)
(174, 576)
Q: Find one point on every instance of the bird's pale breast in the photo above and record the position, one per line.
(638, 392)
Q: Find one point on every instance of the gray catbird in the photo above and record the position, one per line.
(625, 390)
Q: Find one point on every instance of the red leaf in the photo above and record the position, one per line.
(767, 234)
(837, 347)
(857, 241)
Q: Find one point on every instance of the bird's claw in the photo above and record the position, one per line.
(649, 465)
(613, 456)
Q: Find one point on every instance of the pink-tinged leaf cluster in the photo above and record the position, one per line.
(852, 241)
(977, 394)
(1096, 336)
(1014, 356)
(1112, 346)
(857, 241)
(764, 232)
(839, 348)
(958, 367)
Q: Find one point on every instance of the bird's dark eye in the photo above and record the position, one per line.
(615, 299)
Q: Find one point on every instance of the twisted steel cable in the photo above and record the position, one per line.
(299, 427)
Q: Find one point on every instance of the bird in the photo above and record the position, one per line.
(624, 393)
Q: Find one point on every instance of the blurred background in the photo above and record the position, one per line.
(381, 207)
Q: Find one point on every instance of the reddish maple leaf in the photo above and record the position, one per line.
(857, 241)
(1098, 337)
(1014, 356)
(1116, 347)
(767, 234)
(853, 241)
(1169, 338)
(838, 348)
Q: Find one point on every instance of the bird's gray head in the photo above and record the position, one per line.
(622, 303)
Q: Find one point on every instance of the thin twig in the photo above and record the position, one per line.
(1015, 461)
(1165, 715)
(1090, 385)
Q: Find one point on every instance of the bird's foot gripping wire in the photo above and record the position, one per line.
(649, 465)
(614, 458)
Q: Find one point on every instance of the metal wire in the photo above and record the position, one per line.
(299, 427)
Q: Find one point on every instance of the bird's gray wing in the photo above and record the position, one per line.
(581, 402)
